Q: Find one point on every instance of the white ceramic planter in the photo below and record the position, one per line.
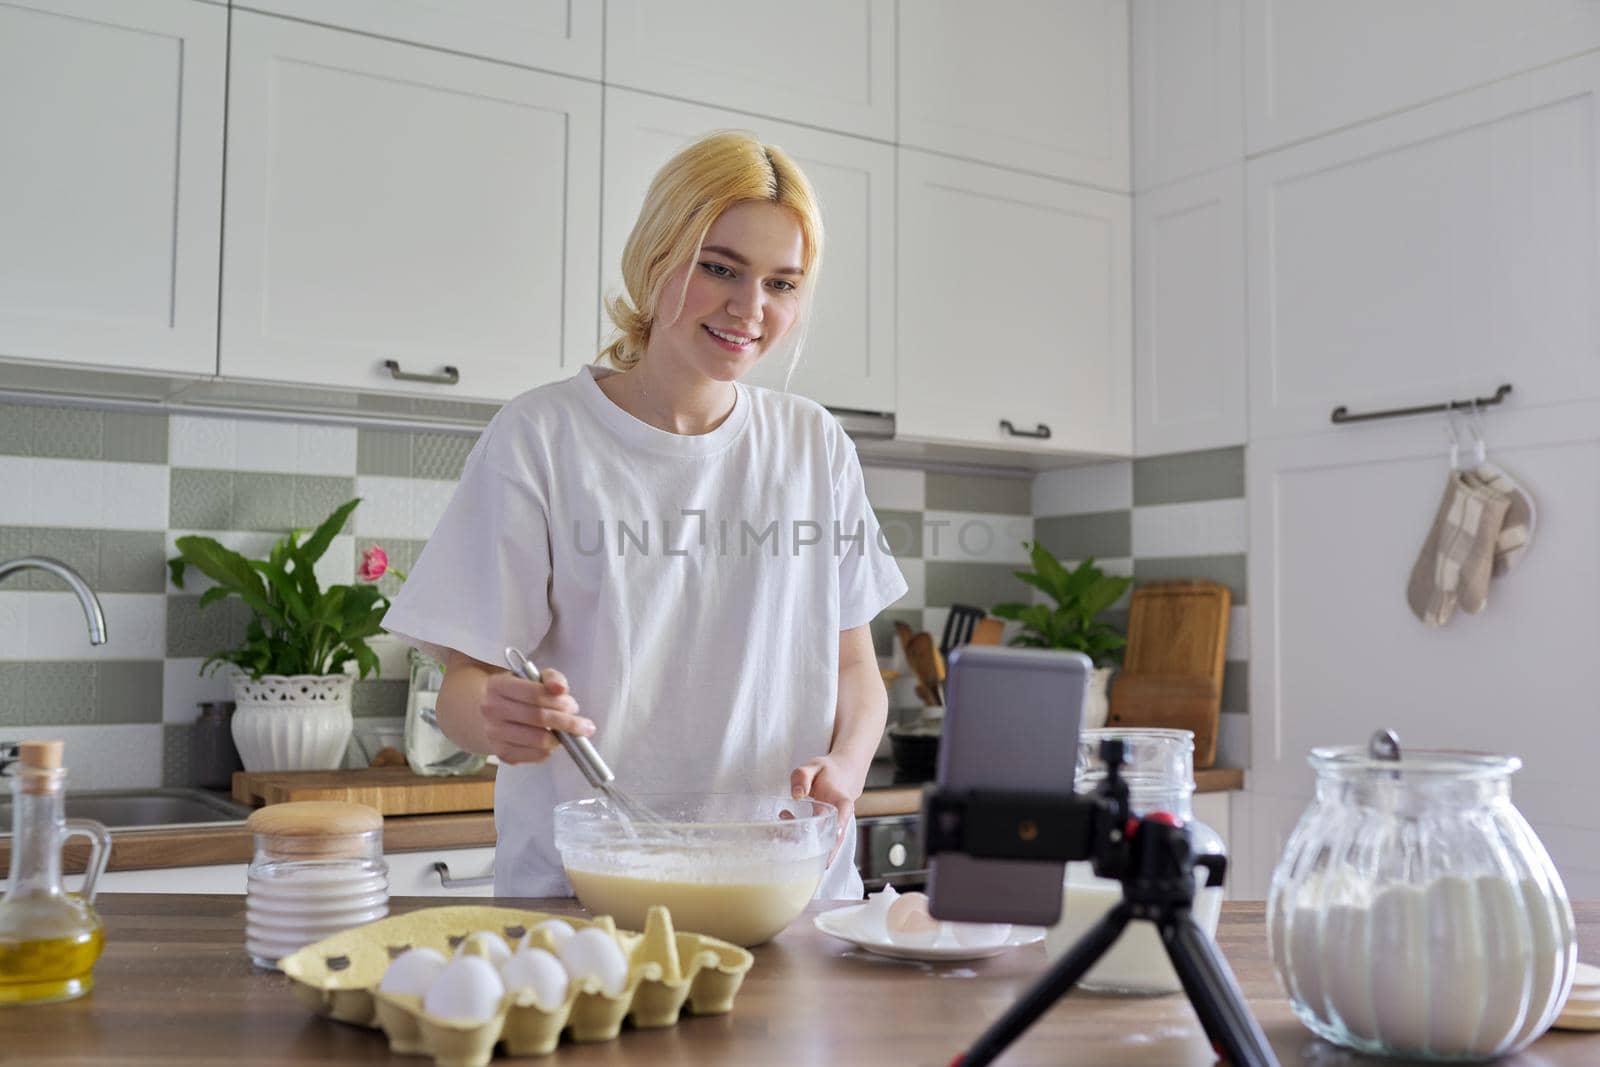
(295, 722)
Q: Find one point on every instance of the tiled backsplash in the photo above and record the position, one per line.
(109, 493)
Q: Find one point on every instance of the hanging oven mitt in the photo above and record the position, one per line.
(1521, 517)
(1457, 558)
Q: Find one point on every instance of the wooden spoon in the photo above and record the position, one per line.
(921, 654)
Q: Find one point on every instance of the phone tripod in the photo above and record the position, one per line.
(1155, 862)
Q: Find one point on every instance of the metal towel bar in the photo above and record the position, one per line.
(1342, 414)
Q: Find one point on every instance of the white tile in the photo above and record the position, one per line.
(183, 687)
(1233, 739)
(103, 757)
(915, 573)
(1084, 490)
(58, 492)
(394, 657)
(133, 496)
(39, 625)
(266, 446)
(196, 441)
(933, 621)
(1239, 633)
(429, 498)
(975, 537)
(1202, 528)
(895, 489)
(386, 507)
(325, 450)
(338, 565)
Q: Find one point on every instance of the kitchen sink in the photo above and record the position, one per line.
(124, 808)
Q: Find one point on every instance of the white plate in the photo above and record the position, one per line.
(835, 923)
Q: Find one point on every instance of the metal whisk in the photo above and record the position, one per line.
(585, 755)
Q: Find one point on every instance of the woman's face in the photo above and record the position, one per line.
(743, 293)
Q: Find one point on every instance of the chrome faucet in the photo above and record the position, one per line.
(86, 597)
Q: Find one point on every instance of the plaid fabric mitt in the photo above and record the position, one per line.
(1457, 559)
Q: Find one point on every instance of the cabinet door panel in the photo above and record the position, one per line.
(848, 361)
(1014, 303)
(829, 63)
(1189, 306)
(1312, 67)
(563, 36)
(387, 202)
(1187, 89)
(1038, 87)
(1429, 256)
(111, 182)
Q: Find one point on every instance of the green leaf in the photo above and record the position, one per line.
(231, 570)
(318, 542)
(284, 586)
(214, 594)
(175, 568)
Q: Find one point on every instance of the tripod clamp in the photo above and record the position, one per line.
(1154, 859)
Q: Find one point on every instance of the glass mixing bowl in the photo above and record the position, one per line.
(736, 866)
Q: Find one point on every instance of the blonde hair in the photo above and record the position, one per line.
(687, 195)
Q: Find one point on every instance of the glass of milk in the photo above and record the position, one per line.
(1415, 913)
(1159, 770)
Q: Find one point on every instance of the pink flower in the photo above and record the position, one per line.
(374, 563)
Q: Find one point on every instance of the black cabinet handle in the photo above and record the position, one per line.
(450, 376)
(442, 869)
(1042, 432)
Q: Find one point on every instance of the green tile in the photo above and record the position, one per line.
(262, 501)
(195, 632)
(1216, 474)
(201, 499)
(16, 429)
(1236, 686)
(318, 496)
(1226, 570)
(1103, 535)
(383, 452)
(15, 541)
(980, 584)
(177, 768)
(132, 561)
(903, 531)
(973, 492)
(883, 639)
(129, 691)
(131, 437)
(67, 433)
(78, 549)
(13, 691)
(59, 693)
(379, 697)
(439, 455)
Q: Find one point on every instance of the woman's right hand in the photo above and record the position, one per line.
(518, 716)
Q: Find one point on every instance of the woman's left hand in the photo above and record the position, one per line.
(829, 780)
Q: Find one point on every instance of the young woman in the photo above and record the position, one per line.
(691, 561)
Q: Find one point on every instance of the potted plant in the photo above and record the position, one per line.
(291, 678)
(1080, 595)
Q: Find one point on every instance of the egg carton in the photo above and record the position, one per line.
(338, 977)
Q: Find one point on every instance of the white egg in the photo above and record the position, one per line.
(909, 923)
(871, 922)
(468, 988)
(539, 971)
(494, 947)
(412, 972)
(593, 953)
(560, 931)
(980, 935)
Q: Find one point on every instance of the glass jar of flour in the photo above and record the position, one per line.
(1159, 770)
(1414, 912)
(428, 750)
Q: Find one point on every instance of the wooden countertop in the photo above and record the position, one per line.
(175, 987)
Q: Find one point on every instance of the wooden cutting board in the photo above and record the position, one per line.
(1172, 669)
(391, 790)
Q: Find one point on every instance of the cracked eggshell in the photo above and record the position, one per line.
(980, 935)
(468, 989)
(909, 923)
(412, 972)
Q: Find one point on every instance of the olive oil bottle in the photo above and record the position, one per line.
(49, 938)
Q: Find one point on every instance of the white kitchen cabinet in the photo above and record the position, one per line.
(561, 36)
(1336, 522)
(828, 63)
(848, 361)
(1190, 361)
(1188, 95)
(1013, 307)
(390, 203)
(412, 874)
(1017, 83)
(213, 878)
(1312, 67)
(1431, 255)
(111, 182)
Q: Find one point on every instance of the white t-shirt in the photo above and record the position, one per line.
(691, 588)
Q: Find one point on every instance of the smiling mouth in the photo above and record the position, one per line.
(731, 338)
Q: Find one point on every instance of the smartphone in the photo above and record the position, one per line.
(1010, 722)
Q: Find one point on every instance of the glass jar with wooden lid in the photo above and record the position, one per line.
(318, 869)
